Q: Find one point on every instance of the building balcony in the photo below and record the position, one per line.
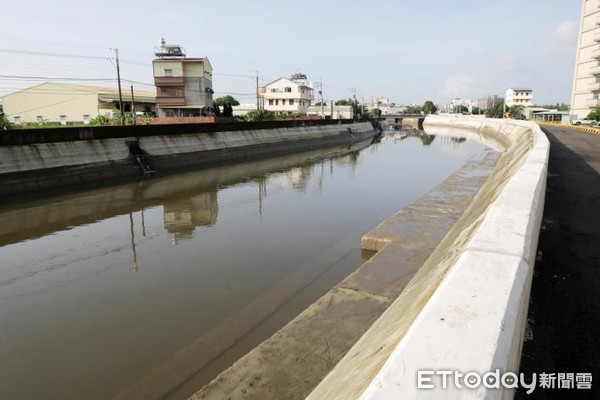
(596, 54)
(595, 70)
(166, 101)
(593, 103)
(169, 81)
(594, 87)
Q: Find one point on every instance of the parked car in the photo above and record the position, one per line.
(585, 122)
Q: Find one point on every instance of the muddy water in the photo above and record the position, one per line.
(149, 290)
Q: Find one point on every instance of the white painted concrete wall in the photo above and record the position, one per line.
(475, 319)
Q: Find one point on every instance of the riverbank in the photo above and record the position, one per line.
(40, 159)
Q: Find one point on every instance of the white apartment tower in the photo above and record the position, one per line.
(586, 82)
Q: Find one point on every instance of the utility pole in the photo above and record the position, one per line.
(319, 85)
(355, 106)
(119, 83)
(132, 106)
(257, 94)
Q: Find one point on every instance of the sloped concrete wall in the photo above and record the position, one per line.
(466, 308)
(50, 164)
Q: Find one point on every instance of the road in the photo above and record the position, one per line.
(563, 334)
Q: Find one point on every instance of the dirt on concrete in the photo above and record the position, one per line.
(563, 334)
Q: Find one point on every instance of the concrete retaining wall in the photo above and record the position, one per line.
(466, 308)
(46, 163)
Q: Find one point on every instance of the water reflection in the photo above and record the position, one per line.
(182, 216)
(189, 201)
(255, 244)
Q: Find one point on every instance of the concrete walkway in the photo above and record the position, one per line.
(563, 333)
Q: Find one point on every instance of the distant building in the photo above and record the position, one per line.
(183, 85)
(586, 79)
(488, 102)
(242, 109)
(70, 104)
(338, 112)
(288, 95)
(519, 97)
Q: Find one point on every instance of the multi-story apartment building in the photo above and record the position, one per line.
(183, 85)
(289, 95)
(586, 80)
(519, 97)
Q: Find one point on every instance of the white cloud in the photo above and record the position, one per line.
(564, 37)
(459, 85)
(507, 62)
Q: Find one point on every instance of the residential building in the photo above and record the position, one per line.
(288, 95)
(71, 104)
(183, 85)
(519, 97)
(586, 79)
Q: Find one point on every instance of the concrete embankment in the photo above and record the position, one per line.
(294, 360)
(41, 159)
(465, 309)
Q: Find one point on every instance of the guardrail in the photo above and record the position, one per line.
(465, 310)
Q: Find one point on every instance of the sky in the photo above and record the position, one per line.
(405, 50)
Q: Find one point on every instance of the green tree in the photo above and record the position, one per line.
(476, 110)
(557, 106)
(100, 120)
(496, 112)
(4, 124)
(516, 110)
(221, 101)
(594, 115)
(460, 109)
(413, 109)
(429, 107)
(260, 115)
(227, 110)
(216, 110)
(344, 102)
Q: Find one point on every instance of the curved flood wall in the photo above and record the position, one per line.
(40, 161)
(465, 310)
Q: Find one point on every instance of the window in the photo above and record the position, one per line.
(288, 90)
(169, 113)
(270, 102)
(168, 72)
(291, 102)
(39, 119)
(283, 102)
(276, 102)
(178, 93)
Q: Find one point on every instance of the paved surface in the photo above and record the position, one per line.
(564, 313)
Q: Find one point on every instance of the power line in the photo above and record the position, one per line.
(39, 53)
(47, 78)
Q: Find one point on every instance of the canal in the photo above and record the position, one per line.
(150, 289)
